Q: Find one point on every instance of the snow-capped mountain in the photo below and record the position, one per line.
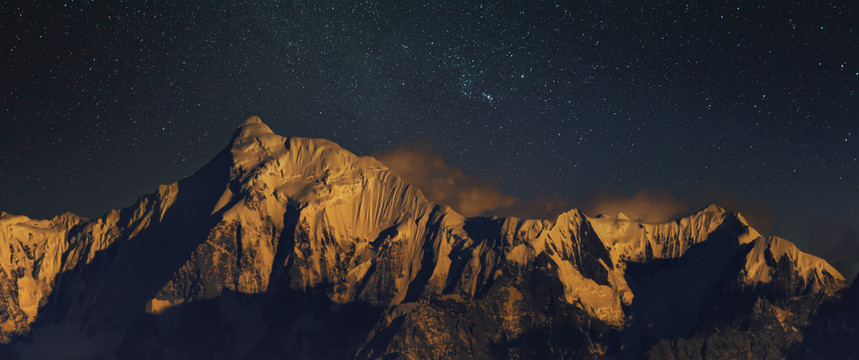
(296, 248)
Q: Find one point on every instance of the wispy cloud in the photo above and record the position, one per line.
(422, 166)
(653, 206)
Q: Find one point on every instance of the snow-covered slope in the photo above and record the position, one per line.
(270, 217)
(640, 242)
(344, 215)
(773, 258)
(636, 242)
(693, 256)
(31, 253)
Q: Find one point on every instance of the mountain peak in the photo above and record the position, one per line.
(252, 121)
(714, 208)
(251, 128)
(253, 142)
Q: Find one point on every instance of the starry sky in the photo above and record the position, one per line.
(751, 104)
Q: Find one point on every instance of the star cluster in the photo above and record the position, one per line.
(101, 101)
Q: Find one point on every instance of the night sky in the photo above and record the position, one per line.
(751, 104)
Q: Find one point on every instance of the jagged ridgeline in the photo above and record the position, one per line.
(296, 248)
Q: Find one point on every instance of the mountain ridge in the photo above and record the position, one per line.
(306, 219)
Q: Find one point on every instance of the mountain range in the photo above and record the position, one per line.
(287, 247)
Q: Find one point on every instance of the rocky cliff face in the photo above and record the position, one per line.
(296, 248)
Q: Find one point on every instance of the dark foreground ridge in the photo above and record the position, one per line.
(296, 248)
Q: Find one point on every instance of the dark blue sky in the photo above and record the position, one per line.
(751, 101)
